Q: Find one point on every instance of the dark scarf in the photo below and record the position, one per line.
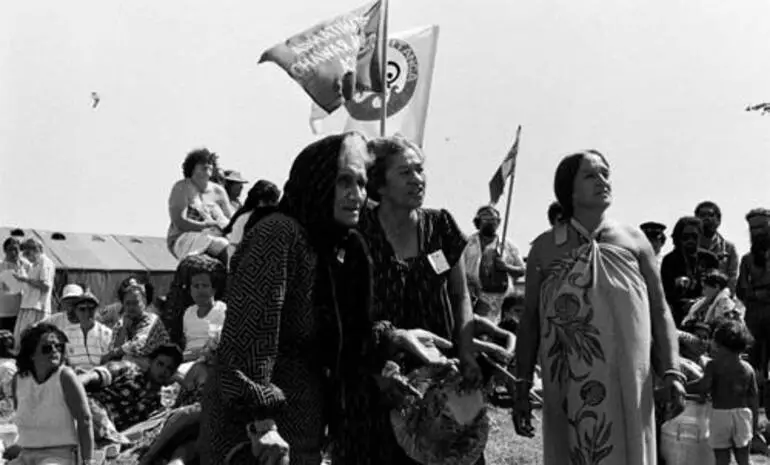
(342, 254)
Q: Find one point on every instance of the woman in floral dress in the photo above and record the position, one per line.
(419, 283)
(595, 312)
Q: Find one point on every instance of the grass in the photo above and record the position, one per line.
(506, 448)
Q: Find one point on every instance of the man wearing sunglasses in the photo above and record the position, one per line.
(711, 216)
(655, 233)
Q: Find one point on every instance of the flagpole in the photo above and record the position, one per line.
(384, 67)
(510, 196)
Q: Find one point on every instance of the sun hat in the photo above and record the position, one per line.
(448, 425)
(71, 292)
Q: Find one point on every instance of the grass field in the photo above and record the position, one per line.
(506, 448)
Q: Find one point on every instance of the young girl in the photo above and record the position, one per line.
(202, 321)
(732, 385)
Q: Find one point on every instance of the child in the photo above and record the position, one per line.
(732, 385)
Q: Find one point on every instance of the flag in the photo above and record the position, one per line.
(411, 59)
(322, 58)
(507, 168)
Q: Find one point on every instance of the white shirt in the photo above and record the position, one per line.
(34, 298)
(199, 331)
(236, 235)
(11, 288)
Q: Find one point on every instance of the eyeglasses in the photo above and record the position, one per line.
(87, 309)
(47, 349)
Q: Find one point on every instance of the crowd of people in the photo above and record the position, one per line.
(297, 321)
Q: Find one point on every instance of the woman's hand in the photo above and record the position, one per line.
(267, 445)
(672, 392)
(521, 413)
(423, 344)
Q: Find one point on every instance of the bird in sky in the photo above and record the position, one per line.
(95, 99)
(763, 108)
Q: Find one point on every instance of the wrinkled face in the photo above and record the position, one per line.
(201, 175)
(710, 219)
(134, 303)
(592, 188)
(50, 352)
(404, 180)
(201, 289)
(690, 238)
(350, 185)
(489, 221)
(12, 252)
(85, 312)
(162, 369)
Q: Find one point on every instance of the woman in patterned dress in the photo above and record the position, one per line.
(297, 315)
(419, 283)
(595, 312)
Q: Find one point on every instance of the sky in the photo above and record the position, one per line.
(658, 86)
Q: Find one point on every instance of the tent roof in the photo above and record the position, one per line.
(83, 251)
(152, 252)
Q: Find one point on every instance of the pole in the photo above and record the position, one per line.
(384, 67)
(510, 194)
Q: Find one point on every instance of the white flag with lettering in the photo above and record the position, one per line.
(411, 58)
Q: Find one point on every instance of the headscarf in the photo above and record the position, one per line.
(308, 195)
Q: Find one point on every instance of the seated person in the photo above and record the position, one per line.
(7, 364)
(110, 315)
(198, 209)
(203, 320)
(139, 331)
(127, 394)
(66, 314)
(716, 301)
(89, 340)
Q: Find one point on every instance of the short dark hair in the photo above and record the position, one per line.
(676, 234)
(732, 335)
(564, 179)
(382, 149)
(198, 157)
(169, 350)
(132, 282)
(30, 338)
(9, 242)
(711, 205)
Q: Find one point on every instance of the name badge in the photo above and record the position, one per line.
(438, 262)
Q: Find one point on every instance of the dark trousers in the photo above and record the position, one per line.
(758, 323)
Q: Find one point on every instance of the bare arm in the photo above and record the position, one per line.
(664, 333)
(77, 402)
(732, 267)
(223, 200)
(528, 334)
(753, 397)
(178, 210)
(702, 385)
(461, 306)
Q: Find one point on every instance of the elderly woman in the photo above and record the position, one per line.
(297, 319)
(199, 209)
(419, 283)
(139, 332)
(52, 412)
(595, 312)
